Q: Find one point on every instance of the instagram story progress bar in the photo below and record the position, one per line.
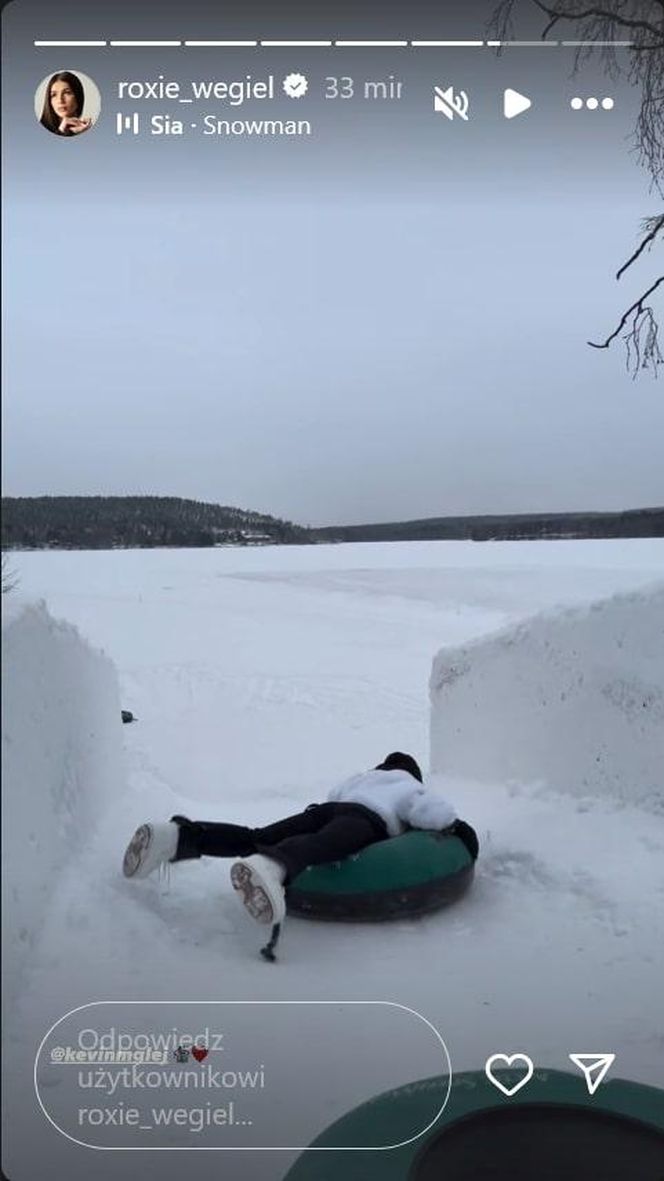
(323, 44)
(317, 43)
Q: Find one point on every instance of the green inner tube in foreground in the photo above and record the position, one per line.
(411, 874)
(553, 1130)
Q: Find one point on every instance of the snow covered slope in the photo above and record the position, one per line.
(62, 764)
(573, 700)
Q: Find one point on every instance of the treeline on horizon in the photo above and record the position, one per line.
(143, 522)
(140, 522)
(642, 522)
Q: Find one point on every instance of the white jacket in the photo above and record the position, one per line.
(398, 798)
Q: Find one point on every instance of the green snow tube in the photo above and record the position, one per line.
(411, 874)
(552, 1130)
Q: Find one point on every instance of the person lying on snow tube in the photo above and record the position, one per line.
(367, 808)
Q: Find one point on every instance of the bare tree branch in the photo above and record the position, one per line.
(649, 238)
(618, 18)
(637, 307)
(641, 62)
(554, 19)
(552, 23)
(603, 14)
(643, 351)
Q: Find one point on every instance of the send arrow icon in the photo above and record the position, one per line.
(594, 1067)
(515, 103)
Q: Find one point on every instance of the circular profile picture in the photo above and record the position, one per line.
(67, 103)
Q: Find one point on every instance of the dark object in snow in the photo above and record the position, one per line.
(267, 952)
(127, 716)
(552, 1129)
(411, 874)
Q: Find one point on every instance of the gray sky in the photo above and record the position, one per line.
(385, 321)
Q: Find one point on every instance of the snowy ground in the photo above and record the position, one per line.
(259, 677)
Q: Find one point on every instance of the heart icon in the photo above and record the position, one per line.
(201, 1052)
(509, 1060)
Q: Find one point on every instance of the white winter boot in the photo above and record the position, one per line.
(259, 881)
(151, 846)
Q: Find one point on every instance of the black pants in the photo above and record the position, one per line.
(323, 832)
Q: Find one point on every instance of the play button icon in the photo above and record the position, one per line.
(515, 103)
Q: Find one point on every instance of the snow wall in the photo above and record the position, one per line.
(62, 764)
(573, 700)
